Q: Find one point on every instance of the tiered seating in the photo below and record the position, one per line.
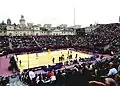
(83, 70)
(23, 42)
(101, 36)
(83, 74)
(4, 42)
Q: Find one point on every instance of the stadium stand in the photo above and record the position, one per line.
(92, 72)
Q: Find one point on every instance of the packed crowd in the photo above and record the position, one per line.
(94, 71)
(102, 72)
(105, 34)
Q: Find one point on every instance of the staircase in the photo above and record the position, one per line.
(79, 39)
(36, 42)
(15, 81)
(10, 44)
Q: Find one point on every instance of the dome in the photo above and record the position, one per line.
(8, 21)
(22, 18)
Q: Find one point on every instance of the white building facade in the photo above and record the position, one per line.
(28, 29)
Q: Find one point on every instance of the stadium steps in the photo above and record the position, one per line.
(18, 83)
(15, 81)
(36, 42)
(10, 44)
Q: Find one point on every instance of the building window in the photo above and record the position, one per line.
(10, 27)
(10, 34)
(24, 34)
(36, 34)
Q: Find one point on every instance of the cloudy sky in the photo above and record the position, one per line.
(58, 12)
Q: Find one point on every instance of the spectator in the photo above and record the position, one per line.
(119, 68)
(112, 70)
(110, 82)
(32, 77)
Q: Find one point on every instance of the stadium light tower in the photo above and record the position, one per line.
(119, 18)
(74, 16)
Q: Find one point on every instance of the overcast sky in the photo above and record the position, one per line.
(58, 12)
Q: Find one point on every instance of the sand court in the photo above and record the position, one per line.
(45, 58)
